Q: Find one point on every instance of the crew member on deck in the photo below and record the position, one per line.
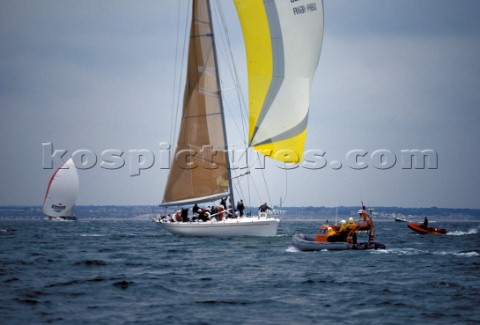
(240, 207)
(184, 215)
(351, 224)
(343, 225)
(223, 202)
(195, 208)
(343, 231)
(331, 234)
(264, 207)
(425, 222)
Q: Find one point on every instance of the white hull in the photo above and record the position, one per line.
(65, 218)
(246, 226)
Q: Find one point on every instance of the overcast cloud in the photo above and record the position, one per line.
(393, 75)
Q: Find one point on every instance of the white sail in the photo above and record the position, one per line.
(62, 191)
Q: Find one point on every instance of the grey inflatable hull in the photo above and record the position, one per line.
(307, 243)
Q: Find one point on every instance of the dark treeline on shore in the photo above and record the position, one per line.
(136, 211)
(349, 210)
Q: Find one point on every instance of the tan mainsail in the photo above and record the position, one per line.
(199, 170)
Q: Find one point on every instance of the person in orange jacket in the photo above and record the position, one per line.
(331, 234)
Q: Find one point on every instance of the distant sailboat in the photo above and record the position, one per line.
(400, 218)
(62, 193)
(283, 43)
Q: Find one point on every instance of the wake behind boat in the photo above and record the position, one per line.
(283, 49)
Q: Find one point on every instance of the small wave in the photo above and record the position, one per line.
(91, 263)
(27, 301)
(224, 302)
(91, 235)
(126, 235)
(468, 254)
(81, 282)
(399, 251)
(465, 254)
(415, 251)
(472, 231)
(292, 249)
(123, 284)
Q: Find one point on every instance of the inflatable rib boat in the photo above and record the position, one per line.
(421, 229)
(307, 243)
(332, 237)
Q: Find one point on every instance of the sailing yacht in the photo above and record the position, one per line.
(62, 193)
(283, 43)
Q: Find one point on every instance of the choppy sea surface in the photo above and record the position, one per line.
(134, 272)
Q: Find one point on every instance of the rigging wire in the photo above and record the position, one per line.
(286, 182)
(175, 73)
(230, 62)
(248, 187)
(176, 101)
(227, 54)
(242, 105)
(266, 187)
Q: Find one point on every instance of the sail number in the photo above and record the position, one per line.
(299, 10)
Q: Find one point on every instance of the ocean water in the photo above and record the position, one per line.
(133, 272)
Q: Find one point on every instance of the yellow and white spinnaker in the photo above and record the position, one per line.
(283, 41)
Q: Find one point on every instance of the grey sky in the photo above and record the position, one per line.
(393, 75)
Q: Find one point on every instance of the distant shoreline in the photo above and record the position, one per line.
(283, 218)
(314, 214)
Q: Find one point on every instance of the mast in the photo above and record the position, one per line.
(200, 167)
(222, 109)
